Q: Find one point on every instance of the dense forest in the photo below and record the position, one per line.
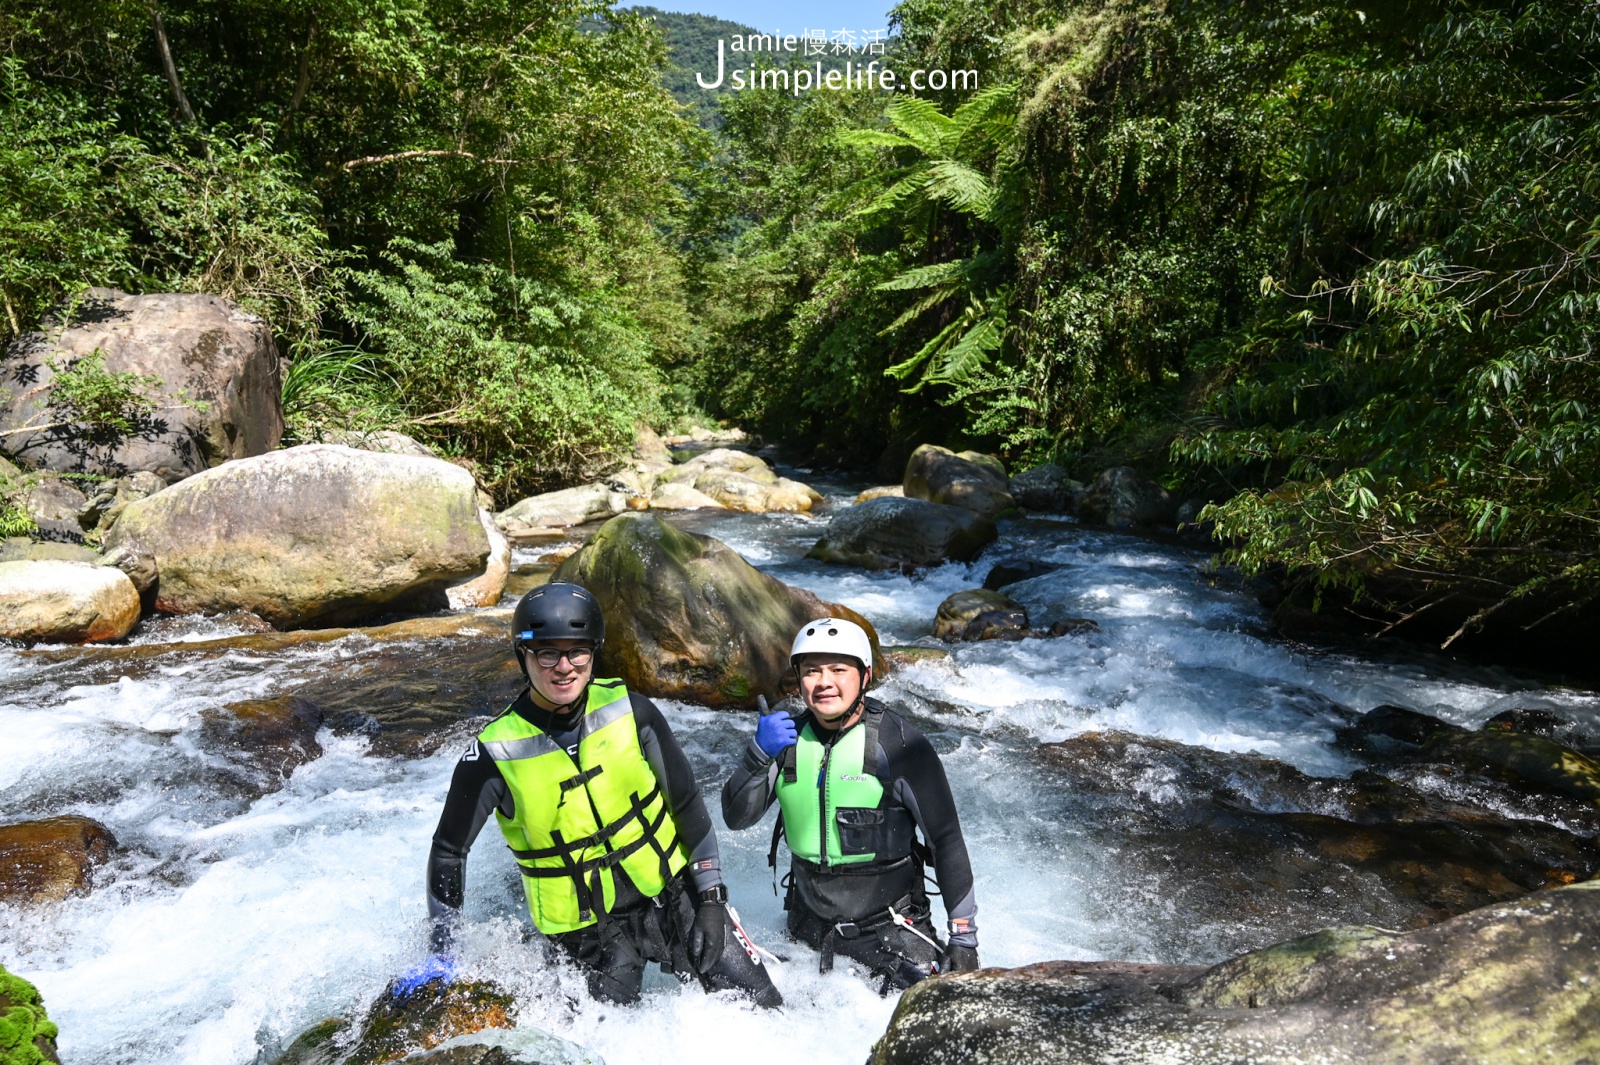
(1332, 270)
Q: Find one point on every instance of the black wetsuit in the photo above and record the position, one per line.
(637, 929)
(844, 909)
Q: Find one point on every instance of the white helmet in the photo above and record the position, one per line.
(832, 636)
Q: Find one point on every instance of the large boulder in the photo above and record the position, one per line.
(313, 535)
(487, 587)
(648, 447)
(65, 602)
(903, 534)
(1121, 499)
(45, 861)
(569, 506)
(740, 481)
(27, 1036)
(387, 441)
(1518, 981)
(980, 614)
(688, 618)
(970, 480)
(217, 397)
(675, 495)
(1048, 489)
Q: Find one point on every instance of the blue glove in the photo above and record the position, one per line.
(433, 967)
(774, 731)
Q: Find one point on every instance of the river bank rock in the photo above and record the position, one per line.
(970, 480)
(26, 1034)
(54, 505)
(218, 396)
(675, 495)
(1517, 981)
(1048, 489)
(22, 549)
(487, 587)
(47, 860)
(688, 618)
(883, 491)
(903, 534)
(569, 506)
(740, 481)
(65, 602)
(980, 614)
(110, 498)
(1122, 499)
(313, 535)
(649, 447)
(385, 441)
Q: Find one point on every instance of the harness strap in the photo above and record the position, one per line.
(574, 870)
(602, 836)
(605, 861)
(869, 751)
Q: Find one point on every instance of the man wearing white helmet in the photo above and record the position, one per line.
(855, 782)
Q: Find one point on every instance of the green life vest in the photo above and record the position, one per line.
(832, 800)
(573, 823)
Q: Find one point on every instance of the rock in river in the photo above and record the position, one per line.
(1121, 499)
(1047, 489)
(1518, 981)
(688, 618)
(270, 736)
(970, 480)
(65, 602)
(903, 534)
(569, 506)
(45, 861)
(400, 1024)
(312, 535)
(26, 1035)
(216, 396)
(980, 614)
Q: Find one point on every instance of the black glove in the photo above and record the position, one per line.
(706, 937)
(959, 959)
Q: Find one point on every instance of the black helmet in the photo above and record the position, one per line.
(557, 612)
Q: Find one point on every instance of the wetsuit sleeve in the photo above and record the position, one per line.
(750, 789)
(476, 789)
(684, 799)
(918, 782)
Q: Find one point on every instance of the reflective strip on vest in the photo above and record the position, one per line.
(573, 823)
(827, 780)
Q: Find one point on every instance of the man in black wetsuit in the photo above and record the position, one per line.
(601, 809)
(855, 782)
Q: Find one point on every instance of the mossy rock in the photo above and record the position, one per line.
(27, 1036)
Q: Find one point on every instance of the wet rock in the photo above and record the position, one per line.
(54, 505)
(569, 506)
(386, 441)
(980, 614)
(1516, 980)
(687, 617)
(675, 495)
(1012, 570)
(969, 480)
(1069, 627)
(45, 861)
(65, 602)
(1392, 733)
(1541, 764)
(27, 1035)
(911, 656)
(1121, 499)
(903, 534)
(313, 535)
(1047, 489)
(272, 735)
(400, 1025)
(1540, 722)
(487, 587)
(1255, 835)
(886, 491)
(218, 396)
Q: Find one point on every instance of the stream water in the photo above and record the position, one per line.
(232, 919)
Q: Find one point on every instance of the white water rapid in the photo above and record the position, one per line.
(230, 922)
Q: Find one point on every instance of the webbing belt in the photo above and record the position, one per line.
(585, 875)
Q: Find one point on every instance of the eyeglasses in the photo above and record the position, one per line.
(550, 657)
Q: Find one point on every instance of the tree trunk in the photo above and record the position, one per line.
(170, 67)
(302, 80)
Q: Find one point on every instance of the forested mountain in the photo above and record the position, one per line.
(1332, 269)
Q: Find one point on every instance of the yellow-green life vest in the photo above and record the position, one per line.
(831, 802)
(574, 822)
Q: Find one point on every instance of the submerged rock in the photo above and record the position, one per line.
(1518, 981)
(970, 480)
(314, 535)
(217, 395)
(903, 534)
(687, 617)
(1122, 499)
(980, 614)
(65, 602)
(47, 860)
(399, 1025)
(1014, 570)
(271, 735)
(27, 1036)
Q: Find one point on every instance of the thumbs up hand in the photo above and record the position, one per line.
(774, 730)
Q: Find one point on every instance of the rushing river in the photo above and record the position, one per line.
(231, 920)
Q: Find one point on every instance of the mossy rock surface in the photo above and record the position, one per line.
(970, 480)
(27, 1036)
(688, 618)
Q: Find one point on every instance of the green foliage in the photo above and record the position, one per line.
(86, 393)
(22, 1021)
